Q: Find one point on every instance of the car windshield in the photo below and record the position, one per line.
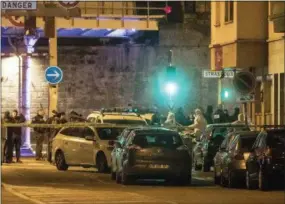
(276, 139)
(158, 140)
(246, 143)
(126, 122)
(109, 133)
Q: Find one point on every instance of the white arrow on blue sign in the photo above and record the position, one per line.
(53, 75)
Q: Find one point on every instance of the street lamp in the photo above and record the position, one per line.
(171, 88)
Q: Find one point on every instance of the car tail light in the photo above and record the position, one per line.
(111, 143)
(134, 147)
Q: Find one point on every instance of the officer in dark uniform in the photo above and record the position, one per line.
(54, 119)
(39, 134)
(16, 138)
(7, 136)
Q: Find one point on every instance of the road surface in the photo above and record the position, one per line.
(41, 183)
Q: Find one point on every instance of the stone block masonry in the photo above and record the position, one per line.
(107, 76)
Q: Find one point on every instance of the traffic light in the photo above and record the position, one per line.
(226, 94)
(171, 88)
(171, 73)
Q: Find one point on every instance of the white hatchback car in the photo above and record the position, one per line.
(85, 146)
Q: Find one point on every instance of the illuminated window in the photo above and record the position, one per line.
(229, 11)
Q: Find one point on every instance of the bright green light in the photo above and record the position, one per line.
(226, 94)
(171, 88)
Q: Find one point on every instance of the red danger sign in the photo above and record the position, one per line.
(68, 4)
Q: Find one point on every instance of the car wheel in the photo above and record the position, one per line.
(60, 162)
(232, 181)
(250, 183)
(263, 182)
(184, 180)
(217, 179)
(101, 163)
(206, 165)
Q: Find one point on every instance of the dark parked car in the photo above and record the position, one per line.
(265, 164)
(233, 162)
(205, 150)
(154, 153)
(117, 151)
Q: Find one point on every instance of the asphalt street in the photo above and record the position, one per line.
(41, 183)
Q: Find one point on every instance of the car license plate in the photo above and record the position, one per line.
(158, 166)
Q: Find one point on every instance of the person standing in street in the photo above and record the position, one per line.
(39, 133)
(54, 119)
(199, 125)
(219, 116)
(6, 135)
(17, 134)
(209, 114)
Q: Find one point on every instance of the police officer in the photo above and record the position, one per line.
(39, 133)
(54, 119)
(16, 138)
(7, 135)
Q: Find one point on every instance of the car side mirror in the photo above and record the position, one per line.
(89, 138)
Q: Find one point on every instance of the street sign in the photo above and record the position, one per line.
(18, 5)
(244, 82)
(68, 4)
(53, 75)
(247, 98)
(218, 74)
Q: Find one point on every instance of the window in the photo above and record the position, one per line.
(276, 139)
(88, 132)
(229, 11)
(158, 140)
(109, 133)
(73, 132)
(246, 143)
(190, 7)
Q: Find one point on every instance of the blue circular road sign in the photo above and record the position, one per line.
(53, 75)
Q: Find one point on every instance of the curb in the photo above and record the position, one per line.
(9, 188)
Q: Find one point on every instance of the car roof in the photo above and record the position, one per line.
(244, 134)
(275, 130)
(154, 129)
(225, 124)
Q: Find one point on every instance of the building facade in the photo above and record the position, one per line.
(242, 36)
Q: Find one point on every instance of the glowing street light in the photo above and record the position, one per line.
(171, 88)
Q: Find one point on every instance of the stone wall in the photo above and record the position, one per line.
(106, 76)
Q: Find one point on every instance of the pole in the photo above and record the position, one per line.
(170, 58)
(245, 113)
(53, 90)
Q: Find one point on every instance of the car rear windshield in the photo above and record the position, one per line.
(276, 139)
(246, 143)
(126, 122)
(158, 140)
(109, 133)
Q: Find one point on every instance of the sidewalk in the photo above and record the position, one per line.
(9, 198)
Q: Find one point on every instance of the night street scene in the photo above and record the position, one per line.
(142, 102)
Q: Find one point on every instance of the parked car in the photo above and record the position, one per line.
(220, 155)
(154, 153)
(85, 146)
(117, 151)
(208, 145)
(233, 162)
(265, 165)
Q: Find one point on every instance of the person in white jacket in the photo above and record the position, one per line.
(170, 121)
(199, 125)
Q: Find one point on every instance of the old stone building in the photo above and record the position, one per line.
(107, 74)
